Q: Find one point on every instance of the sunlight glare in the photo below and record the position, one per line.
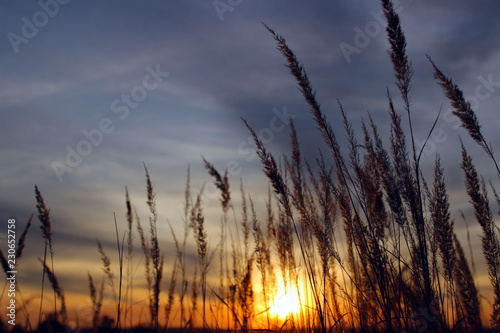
(285, 302)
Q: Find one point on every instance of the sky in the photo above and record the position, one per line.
(91, 90)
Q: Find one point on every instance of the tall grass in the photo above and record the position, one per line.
(463, 110)
(360, 235)
(129, 291)
(46, 227)
(96, 298)
(59, 292)
(155, 257)
(476, 189)
(204, 255)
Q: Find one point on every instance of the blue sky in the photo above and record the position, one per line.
(71, 75)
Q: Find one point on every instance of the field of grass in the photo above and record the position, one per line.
(356, 243)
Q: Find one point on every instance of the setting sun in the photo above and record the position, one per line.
(285, 302)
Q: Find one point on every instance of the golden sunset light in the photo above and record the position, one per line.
(228, 166)
(286, 302)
